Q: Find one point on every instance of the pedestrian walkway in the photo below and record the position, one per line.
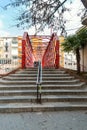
(44, 121)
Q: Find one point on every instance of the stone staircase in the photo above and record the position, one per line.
(60, 92)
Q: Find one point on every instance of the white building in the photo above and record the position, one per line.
(70, 60)
(8, 52)
(9, 48)
(67, 60)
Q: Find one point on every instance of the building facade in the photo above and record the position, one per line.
(67, 60)
(83, 58)
(8, 48)
(9, 53)
(83, 53)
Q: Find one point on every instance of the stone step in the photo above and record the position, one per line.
(22, 75)
(35, 78)
(19, 78)
(43, 92)
(44, 69)
(17, 92)
(50, 98)
(44, 82)
(30, 107)
(60, 91)
(44, 72)
(35, 75)
(44, 86)
(64, 98)
(17, 99)
(58, 82)
(64, 92)
(27, 69)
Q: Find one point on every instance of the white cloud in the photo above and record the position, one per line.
(4, 33)
(46, 31)
(74, 21)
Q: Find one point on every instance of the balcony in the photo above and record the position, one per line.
(84, 18)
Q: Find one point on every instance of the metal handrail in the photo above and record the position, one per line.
(39, 82)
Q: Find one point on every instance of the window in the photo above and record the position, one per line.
(6, 56)
(15, 57)
(6, 46)
(14, 41)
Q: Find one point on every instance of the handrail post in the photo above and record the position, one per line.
(57, 54)
(23, 54)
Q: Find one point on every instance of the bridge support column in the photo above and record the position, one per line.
(23, 53)
(57, 54)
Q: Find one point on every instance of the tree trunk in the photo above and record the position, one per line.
(78, 60)
(83, 58)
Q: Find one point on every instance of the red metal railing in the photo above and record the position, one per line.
(27, 52)
(51, 55)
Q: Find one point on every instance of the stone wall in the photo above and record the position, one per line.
(83, 56)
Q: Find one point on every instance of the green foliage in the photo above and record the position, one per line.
(82, 36)
(72, 42)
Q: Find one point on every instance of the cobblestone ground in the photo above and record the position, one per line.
(44, 121)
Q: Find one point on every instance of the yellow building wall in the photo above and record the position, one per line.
(37, 47)
(20, 50)
(61, 40)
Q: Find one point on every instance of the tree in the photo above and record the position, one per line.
(40, 13)
(75, 43)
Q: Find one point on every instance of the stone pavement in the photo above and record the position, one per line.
(44, 121)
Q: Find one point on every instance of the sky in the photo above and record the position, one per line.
(7, 20)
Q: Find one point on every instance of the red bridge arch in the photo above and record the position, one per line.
(43, 48)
